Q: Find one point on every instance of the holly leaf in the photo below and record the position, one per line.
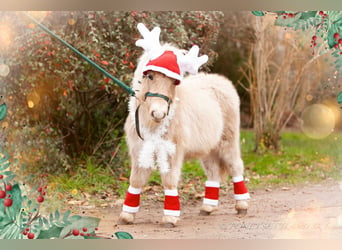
(11, 231)
(123, 235)
(332, 30)
(3, 111)
(339, 98)
(308, 14)
(52, 232)
(89, 222)
(13, 210)
(258, 13)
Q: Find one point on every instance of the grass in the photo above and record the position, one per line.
(300, 161)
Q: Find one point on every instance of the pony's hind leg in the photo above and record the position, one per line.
(138, 178)
(211, 167)
(232, 161)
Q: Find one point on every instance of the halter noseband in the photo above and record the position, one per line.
(149, 94)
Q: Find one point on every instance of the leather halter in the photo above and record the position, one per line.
(149, 94)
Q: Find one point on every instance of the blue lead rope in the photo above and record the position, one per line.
(117, 81)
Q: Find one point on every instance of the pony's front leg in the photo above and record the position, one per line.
(138, 178)
(170, 181)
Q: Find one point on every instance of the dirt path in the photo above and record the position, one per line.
(307, 212)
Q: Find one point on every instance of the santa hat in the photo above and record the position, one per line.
(166, 61)
(167, 64)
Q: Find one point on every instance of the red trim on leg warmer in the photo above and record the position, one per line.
(212, 193)
(132, 200)
(240, 188)
(171, 203)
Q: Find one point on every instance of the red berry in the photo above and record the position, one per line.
(39, 189)
(8, 202)
(290, 15)
(25, 233)
(84, 229)
(82, 234)
(1, 177)
(8, 187)
(2, 194)
(43, 193)
(337, 36)
(40, 199)
(96, 229)
(30, 236)
(340, 41)
(314, 38)
(27, 229)
(75, 232)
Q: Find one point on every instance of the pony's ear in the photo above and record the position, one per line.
(191, 62)
(150, 42)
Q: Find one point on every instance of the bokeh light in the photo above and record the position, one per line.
(318, 121)
(38, 15)
(5, 35)
(71, 21)
(33, 99)
(30, 104)
(339, 220)
(4, 70)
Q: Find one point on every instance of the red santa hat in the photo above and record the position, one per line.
(167, 64)
(166, 61)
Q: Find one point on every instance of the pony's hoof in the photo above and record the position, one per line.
(126, 218)
(207, 209)
(169, 221)
(241, 207)
(242, 212)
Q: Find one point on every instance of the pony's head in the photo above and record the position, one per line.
(158, 93)
(162, 69)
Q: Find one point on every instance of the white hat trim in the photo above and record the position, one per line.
(164, 71)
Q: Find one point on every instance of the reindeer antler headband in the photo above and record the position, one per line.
(166, 61)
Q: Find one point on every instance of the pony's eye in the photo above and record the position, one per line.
(150, 77)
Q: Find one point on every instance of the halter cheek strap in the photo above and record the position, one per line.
(149, 94)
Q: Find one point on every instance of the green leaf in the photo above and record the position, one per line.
(57, 214)
(288, 22)
(123, 235)
(308, 14)
(332, 30)
(46, 222)
(4, 221)
(11, 231)
(3, 111)
(66, 215)
(14, 210)
(52, 232)
(89, 222)
(75, 218)
(258, 13)
(339, 98)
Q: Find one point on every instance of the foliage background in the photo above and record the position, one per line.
(65, 111)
